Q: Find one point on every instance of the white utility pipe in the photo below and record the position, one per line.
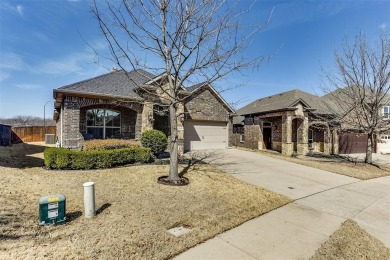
(89, 199)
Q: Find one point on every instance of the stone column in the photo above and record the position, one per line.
(287, 145)
(335, 141)
(147, 117)
(180, 128)
(260, 141)
(303, 131)
(327, 141)
(71, 136)
(230, 132)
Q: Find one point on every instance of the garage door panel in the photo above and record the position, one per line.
(204, 135)
(350, 143)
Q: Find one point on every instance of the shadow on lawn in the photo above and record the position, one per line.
(20, 156)
(102, 208)
(203, 157)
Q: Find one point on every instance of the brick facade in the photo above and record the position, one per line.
(204, 105)
(289, 132)
(71, 126)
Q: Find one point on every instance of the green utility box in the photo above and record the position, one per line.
(52, 209)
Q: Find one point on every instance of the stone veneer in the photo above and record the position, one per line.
(289, 133)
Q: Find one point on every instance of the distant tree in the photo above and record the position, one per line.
(24, 120)
(188, 40)
(359, 88)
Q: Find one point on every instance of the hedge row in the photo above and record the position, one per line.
(109, 144)
(61, 158)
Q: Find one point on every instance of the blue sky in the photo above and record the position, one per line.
(43, 45)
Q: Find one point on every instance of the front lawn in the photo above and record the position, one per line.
(352, 242)
(336, 164)
(134, 212)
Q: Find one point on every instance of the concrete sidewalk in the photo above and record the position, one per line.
(323, 201)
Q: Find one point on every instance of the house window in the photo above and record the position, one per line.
(238, 129)
(310, 138)
(103, 123)
(386, 112)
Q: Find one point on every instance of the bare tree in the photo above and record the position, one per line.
(24, 120)
(359, 88)
(188, 40)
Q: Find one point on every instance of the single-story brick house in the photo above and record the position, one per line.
(293, 122)
(284, 122)
(124, 104)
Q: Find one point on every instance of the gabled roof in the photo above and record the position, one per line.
(195, 87)
(283, 101)
(114, 84)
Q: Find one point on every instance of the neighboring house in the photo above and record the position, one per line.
(383, 145)
(294, 122)
(123, 104)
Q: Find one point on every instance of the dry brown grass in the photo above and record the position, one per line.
(357, 170)
(134, 211)
(352, 242)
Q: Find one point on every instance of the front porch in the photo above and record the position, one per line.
(290, 131)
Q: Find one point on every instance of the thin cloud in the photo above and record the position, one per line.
(28, 86)
(11, 61)
(3, 76)
(70, 64)
(19, 9)
(383, 26)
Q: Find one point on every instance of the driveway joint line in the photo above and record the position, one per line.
(236, 247)
(370, 204)
(331, 188)
(302, 227)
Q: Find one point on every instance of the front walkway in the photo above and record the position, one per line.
(324, 200)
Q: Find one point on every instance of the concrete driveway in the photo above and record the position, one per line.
(293, 180)
(323, 201)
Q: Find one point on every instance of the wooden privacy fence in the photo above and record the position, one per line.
(31, 133)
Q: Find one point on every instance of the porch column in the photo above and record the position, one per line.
(180, 128)
(71, 136)
(335, 141)
(303, 132)
(287, 145)
(147, 117)
(327, 141)
(260, 142)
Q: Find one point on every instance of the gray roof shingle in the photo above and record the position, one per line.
(282, 101)
(116, 84)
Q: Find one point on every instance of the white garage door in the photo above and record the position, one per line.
(384, 145)
(201, 135)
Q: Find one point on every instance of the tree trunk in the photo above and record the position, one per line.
(173, 147)
(370, 148)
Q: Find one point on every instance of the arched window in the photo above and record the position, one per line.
(103, 123)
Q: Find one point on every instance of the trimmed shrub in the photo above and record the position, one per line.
(60, 158)
(57, 158)
(155, 140)
(109, 144)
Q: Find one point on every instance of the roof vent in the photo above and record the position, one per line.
(114, 69)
